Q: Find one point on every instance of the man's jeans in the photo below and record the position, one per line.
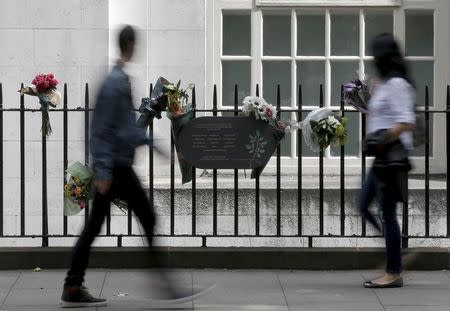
(125, 186)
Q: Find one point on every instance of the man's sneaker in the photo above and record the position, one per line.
(79, 297)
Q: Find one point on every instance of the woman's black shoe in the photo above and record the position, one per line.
(396, 283)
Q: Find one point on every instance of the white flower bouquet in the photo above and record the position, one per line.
(322, 127)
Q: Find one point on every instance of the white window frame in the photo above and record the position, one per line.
(353, 164)
(279, 3)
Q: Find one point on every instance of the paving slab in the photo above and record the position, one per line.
(143, 306)
(43, 308)
(416, 308)
(54, 279)
(407, 296)
(326, 287)
(337, 306)
(239, 287)
(240, 307)
(34, 297)
(418, 279)
(235, 290)
(142, 284)
(8, 279)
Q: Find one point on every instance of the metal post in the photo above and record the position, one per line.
(363, 168)
(236, 173)
(321, 198)
(194, 179)
(278, 166)
(86, 142)
(299, 164)
(1, 160)
(427, 162)
(65, 148)
(447, 114)
(257, 190)
(215, 171)
(44, 188)
(22, 164)
(342, 175)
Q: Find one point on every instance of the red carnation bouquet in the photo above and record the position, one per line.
(45, 82)
(44, 87)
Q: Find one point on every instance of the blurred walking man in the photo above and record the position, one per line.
(113, 142)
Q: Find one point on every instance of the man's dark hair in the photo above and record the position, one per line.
(127, 37)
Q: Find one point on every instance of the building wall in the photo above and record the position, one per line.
(171, 43)
(76, 40)
(70, 39)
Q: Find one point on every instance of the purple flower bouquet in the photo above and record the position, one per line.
(357, 94)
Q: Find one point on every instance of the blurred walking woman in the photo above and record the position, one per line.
(391, 120)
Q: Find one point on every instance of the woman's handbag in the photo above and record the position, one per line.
(391, 165)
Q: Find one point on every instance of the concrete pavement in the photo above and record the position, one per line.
(264, 290)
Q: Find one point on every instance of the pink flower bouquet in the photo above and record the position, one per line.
(44, 87)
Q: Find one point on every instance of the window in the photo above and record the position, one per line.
(236, 64)
(307, 46)
(314, 55)
(419, 50)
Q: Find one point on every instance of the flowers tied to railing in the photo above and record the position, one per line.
(172, 98)
(44, 87)
(80, 189)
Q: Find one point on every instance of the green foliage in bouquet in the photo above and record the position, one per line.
(80, 189)
(177, 98)
(331, 131)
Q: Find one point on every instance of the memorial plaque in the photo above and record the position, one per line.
(227, 142)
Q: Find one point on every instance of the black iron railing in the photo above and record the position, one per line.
(86, 110)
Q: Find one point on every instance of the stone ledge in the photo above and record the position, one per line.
(223, 258)
(331, 182)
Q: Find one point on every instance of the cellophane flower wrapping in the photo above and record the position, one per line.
(172, 98)
(44, 87)
(322, 127)
(178, 121)
(78, 189)
(152, 107)
(180, 112)
(357, 94)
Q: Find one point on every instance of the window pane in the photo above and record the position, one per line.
(344, 34)
(274, 73)
(306, 151)
(422, 74)
(235, 72)
(236, 34)
(277, 35)
(370, 70)
(311, 35)
(352, 147)
(377, 23)
(419, 33)
(341, 72)
(310, 75)
(419, 151)
(286, 142)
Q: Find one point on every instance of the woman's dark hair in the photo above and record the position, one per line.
(127, 37)
(388, 58)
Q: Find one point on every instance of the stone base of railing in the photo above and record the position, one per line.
(225, 258)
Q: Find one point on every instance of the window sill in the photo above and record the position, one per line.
(345, 3)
